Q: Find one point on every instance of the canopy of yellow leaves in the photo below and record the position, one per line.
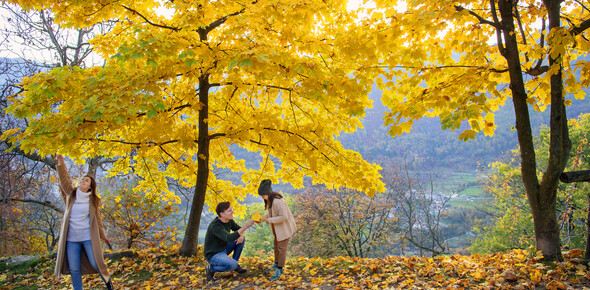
(436, 59)
(162, 268)
(280, 87)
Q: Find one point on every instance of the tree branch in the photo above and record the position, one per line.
(581, 28)
(48, 160)
(148, 21)
(30, 200)
(481, 19)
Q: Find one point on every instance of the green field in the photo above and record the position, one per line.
(466, 188)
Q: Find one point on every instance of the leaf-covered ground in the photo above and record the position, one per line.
(165, 269)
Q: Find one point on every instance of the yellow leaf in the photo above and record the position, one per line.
(536, 276)
(8, 133)
(257, 216)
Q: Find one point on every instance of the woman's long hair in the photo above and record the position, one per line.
(271, 198)
(93, 194)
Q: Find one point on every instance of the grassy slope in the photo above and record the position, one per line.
(164, 269)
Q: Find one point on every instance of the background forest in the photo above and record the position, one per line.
(443, 195)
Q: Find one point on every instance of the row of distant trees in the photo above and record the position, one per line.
(449, 152)
(413, 217)
(410, 218)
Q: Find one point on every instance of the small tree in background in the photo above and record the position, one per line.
(419, 206)
(137, 220)
(343, 223)
(259, 239)
(30, 212)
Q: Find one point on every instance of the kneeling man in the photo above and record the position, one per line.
(220, 241)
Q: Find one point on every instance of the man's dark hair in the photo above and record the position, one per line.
(221, 207)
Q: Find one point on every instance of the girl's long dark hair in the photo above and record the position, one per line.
(271, 198)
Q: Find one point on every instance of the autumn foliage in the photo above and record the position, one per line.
(136, 220)
(163, 268)
(345, 222)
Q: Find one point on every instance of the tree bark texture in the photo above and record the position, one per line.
(191, 235)
(575, 176)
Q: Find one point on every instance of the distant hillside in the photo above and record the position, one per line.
(427, 145)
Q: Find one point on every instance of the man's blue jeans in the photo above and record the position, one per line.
(221, 262)
(74, 251)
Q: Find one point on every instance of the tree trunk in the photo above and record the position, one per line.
(191, 235)
(542, 196)
(588, 231)
(559, 148)
(547, 229)
(93, 164)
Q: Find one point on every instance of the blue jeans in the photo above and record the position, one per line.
(221, 262)
(74, 252)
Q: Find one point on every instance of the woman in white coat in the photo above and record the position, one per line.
(79, 251)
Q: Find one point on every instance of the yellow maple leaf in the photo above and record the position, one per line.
(536, 276)
(257, 216)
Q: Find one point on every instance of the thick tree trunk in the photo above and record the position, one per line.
(191, 235)
(547, 228)
(93, 164)
(542, 196)
(559, 148)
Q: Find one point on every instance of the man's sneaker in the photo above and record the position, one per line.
(277, 274)
(272, 268)
(240, 270)
(209, 273)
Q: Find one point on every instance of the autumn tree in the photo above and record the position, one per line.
(135, 221)
(461, 60)
(420, 207)
(512, 225)
(179, 87)
(32, 42)
(344, 223)
(29, 211)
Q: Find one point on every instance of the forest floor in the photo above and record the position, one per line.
(163, 268)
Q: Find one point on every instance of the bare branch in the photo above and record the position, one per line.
(148, 21)
(30, 200)
(581, 28)
(481, 19)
